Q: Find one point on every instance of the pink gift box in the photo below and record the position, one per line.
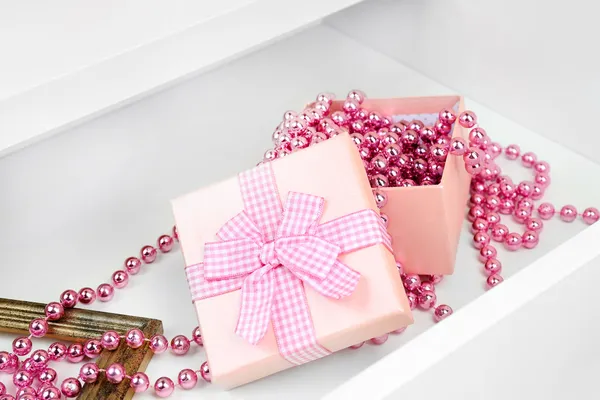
(331, 170)
(425, 221)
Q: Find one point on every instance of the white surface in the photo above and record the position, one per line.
(75, 206)
(529, 60)
(65, 62)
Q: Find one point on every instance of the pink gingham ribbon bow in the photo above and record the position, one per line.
(271, 253)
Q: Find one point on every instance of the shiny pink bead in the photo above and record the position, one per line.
(526, 203)
(92, 348)
(590, 215)
(442, 128)
(357, 95)
(427, 299)
(22, 346)
(379, 180)
(438, 152)
(57, 351)
(139, 382)
(512, 151)
(187, 379)
(148, 254)
(499, 232)
(524, 188)
(537, 192)
(426, 286)
(270, 155)
(165, 243)
(534, 224)
(473, 156)
(22, 379)
(380, 198)
(380, 339)
(5, 361)
(399, 331)
(428, 133)
(530, 239)
(54, 311)
(70, 387)
(475, 212)
(522, 214)
(481, 239)
(75, 353)
(528, 159)
(110, 340)
(467, 119)
(542, 167)
(487, 252)
(105, 292)
(412, 300)
(513, 241)
(542, 180)
(447, 116)
(164, 387)
(180, 345)
(26, 393)
(477, 199)
(379, 163)
(48, 375)
(115, 373)
(495, 149)
(568, 213)
(197, 336)
(412, 282)
(89, 372)
(494, 280)
(474, 169)
(480, 224)
(458, 146)
(120, 279)
(492, 266)
(357, 346)
(158, 344)
(39, 358)
(477, 136)
(351, 106)
(2, 389)
(442, 312)
(546, 211)
(133, 265)
(87, 295)
(492, 218)
(50, 393)
(38, 327)
(134, 338)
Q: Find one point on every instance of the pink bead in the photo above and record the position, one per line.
(120, 279)
(492, 266)
(26, 391)
(481, 239)
(409, 137)
(134, 338)
(542, 180)
(499, 232)
(57, 351)
(148, 254)
(480, 224)
(487, 252)
(197, 336)
(38, 327)
(412, 282)
(475, 212)
(89, 372)
(524, 188)
(270, 155)
(54, 311)
(512, 151)
(442, 311)
(133, 265)
(493, 218)
(426, 286)
(473, 156)
(513, 241)
(115, 373)
(165, 243)
(399, 331)
(357, 95)
(528, 159)
(542, 167)
(494, 280)
(68, 298)
(22, 346)
(50, 393)
(139, 382)
(467, 119)
(164, 387)
(180, 345)
(205, 371)
(2, 389)
(530, 239)
(110, 340)
(412, 300)
(75, 353)
(546, 210)
(427, 299)
(39, 358)
(351, 106)
(380, 339)
(477, 136)
(379, 180)
(458, 146)
(70, 387)
(379, 163)
(87, 296)
(158, 344)
(47, 376)
(447, 116)
(568, 213)
(105, 292)
(357, 346)
(92, 348)
(474, 169)
(537, 192)
(590, 215)
(187, 379)
(435, 279)
(438, 152)
(495, 149)
(534, 224)
(522, 214)
(380, 198)
(5, 361)
(22, 379)
(442, 128)
(526, 203)
(428, 134)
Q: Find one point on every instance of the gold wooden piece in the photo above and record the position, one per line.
(78, 325)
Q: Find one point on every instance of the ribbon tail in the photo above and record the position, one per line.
(257, 305)
(292, 322)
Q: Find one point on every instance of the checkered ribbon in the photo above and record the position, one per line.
(270, 253)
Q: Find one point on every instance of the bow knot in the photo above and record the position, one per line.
(268, 255)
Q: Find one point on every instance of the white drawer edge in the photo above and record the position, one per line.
(84, 94)
(392, 372)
